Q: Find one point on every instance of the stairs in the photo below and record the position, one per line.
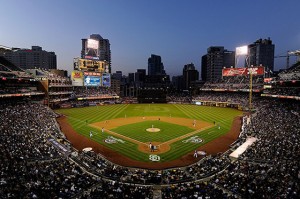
(157, 192)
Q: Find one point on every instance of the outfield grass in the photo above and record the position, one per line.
(79, 118)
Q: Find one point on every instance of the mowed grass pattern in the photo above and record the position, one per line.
(79, 118)
(138, 131)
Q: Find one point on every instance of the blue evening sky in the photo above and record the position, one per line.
(180, 31)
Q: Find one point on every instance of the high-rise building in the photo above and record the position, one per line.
(177, 82)
(96, 48)
(204, 68)
(216, 59)
(139, 77)
(117, 75)
(155, 66)
(190, 74)
(130, 78)
(32, 58)
(261, 52)
(116, 86)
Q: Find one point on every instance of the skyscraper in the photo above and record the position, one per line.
(204, 68)
(155, 66)
(139, 77)
(216, 58)
(117, 75)
(32, 58)
(96, 48)
(261, 52)
(190, 74)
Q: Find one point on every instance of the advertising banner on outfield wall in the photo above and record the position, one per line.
(259, 70)
(77, 78)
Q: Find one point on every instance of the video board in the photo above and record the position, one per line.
(91, 49)
(92, 79)
(106, 80)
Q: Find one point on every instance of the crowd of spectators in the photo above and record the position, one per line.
(32, 167)
(230, 97)
(270, 167)
(287, 83)
(17, 90)
(194, 190)
(179, 99)
(293, 73)
(92, 92)
(208, 166)
(113, 189)
(241, 83)
(285, 91)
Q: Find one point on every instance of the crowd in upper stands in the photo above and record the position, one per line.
(235, 83)
(292, 73)
(285, 91)
(17, 90)
(178, 99)
(287, 83)
(92, 91)
(230, 97)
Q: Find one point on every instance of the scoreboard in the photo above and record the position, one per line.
(89, 65)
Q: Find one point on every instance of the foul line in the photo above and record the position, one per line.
(123, 136)
(184, 136)
(167, 142)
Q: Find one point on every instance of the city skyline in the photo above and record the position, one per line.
(179, 32)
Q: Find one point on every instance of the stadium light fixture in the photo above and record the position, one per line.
(242, 50)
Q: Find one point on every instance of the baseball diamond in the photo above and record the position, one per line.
(174, 130)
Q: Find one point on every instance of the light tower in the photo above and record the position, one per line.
(250, 88)
(243, 51)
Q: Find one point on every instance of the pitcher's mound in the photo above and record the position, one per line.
(152, 130)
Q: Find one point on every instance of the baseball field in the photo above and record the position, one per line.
(124, 133)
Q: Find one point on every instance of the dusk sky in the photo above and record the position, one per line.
(179, 31)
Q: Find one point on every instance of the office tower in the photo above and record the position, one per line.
(216, 58)
(155, 66)
(139, 77)
(190, 74)
(177, 82)
(97, 48)
(204, 68)
(130, 78)
(117, 75)
(261, 52)
(32, 58)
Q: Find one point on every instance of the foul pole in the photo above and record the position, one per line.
(250, 90)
